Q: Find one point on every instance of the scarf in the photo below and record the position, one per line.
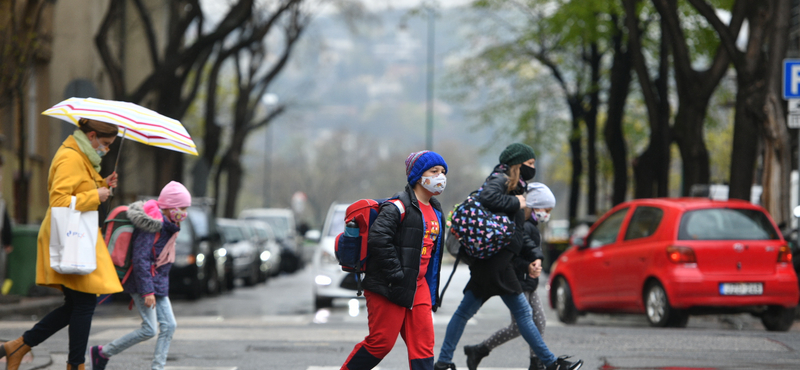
(167, 254)
(86, 147)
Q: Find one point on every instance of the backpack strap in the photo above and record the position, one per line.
(400, 207)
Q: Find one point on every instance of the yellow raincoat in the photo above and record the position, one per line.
(71, 173)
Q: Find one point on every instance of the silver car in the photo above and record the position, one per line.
(329, 280)
(240, 247)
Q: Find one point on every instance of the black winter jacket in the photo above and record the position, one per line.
(531, 252)
(496, 275)
(395, 248)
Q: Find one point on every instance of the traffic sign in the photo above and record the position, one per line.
(791, 78)
(793, 118)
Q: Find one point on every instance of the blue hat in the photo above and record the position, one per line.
(419, 162)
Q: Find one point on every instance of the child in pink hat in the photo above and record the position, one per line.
(156, 226)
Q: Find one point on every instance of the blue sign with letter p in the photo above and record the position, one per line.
(791, 78)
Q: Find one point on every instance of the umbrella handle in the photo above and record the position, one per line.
(116, 163)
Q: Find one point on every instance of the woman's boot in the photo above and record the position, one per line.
(536, 364)
(13, 351)
(475, 354)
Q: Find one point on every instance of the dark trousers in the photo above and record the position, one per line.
(76, 312)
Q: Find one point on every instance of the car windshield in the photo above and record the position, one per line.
(337, 222)
(199, 221)
(280, 225)
(232, 234)
(185, 235)
(726, 224)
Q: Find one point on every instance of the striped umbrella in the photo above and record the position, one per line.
(137, 123)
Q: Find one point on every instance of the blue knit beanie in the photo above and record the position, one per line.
(419, 162)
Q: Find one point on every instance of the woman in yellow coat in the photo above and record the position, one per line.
(73, 172)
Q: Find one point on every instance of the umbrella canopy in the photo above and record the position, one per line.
(138, 123)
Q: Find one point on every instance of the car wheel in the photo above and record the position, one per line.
(289, 262)
(230, 280)
(778, 318)
(252, 278)
(659, 312)
(212, 282)
(195, 290)
(322, 302)
(565, 307)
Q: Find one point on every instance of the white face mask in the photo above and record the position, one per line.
(434, 184)
(542, 216)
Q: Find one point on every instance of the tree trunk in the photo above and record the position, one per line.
(688, 133)
(776, 193)
(591, 129)
(22, 178)
(234, 182)
(617, 98)
(577, 160)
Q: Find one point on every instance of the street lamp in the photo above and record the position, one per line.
(267, 101)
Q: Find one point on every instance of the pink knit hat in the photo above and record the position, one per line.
(174, 195)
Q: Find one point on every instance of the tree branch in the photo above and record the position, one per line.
(148, 31)
(113, 68)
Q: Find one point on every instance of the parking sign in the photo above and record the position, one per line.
(791, 78)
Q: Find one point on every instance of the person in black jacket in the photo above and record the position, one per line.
(502, 194)
(528, 266)
(401, 281)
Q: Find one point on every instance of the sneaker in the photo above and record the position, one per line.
(562, 364)
(443, 366)
(475, 354)
(98, 360)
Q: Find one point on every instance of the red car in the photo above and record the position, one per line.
(671, 258)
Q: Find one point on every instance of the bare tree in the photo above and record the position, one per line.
(694, 88)
(759, 109)
(255, 70)
(176, 66)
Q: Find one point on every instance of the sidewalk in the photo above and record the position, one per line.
(25, 307)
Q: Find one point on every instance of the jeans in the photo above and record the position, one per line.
(76, 312)
(162, 315)
(520, 309)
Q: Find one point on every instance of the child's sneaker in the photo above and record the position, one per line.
(98, 360)
(562, 364)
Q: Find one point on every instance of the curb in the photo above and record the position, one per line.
(31, 306)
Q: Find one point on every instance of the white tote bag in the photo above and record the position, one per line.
(73, 239)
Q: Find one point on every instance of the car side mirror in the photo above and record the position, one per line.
(580, 242)
(313, 236)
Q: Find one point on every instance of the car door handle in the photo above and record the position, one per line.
(607, 262)
(642, 259)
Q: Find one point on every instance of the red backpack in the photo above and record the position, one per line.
(351, 245)
(118, 232)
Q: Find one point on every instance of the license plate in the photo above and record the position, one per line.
(741, 288)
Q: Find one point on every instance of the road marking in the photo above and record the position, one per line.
(59, 358)
(246, 334)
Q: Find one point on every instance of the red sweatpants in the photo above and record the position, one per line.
(386, 321)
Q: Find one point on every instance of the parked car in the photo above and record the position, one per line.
(282, 223)
(269, 252)
(329, 280)
(555, 241)
(241, 248)
(671, 258)
(201, 264)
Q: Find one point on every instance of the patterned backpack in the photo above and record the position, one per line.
(481, 232)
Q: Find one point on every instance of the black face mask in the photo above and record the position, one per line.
(527, 172)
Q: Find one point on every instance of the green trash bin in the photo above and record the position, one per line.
(21, 267)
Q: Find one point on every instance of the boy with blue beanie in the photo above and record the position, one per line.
(401, 282)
